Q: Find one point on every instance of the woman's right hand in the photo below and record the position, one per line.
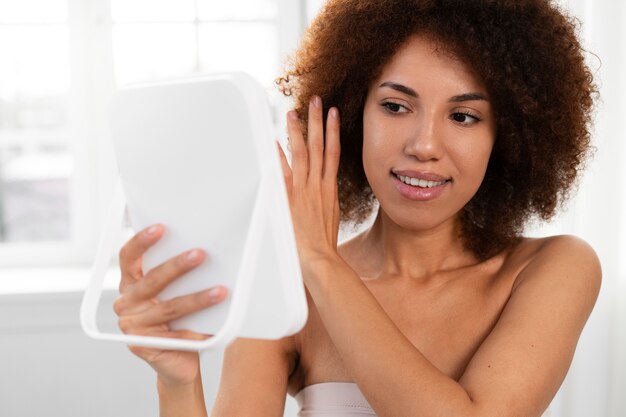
(140, 313)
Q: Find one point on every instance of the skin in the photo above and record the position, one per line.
(403, 310)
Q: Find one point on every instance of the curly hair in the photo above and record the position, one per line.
(529, 57)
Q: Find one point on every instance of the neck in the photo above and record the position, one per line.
(416, 254)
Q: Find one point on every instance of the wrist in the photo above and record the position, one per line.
(322, 266)
(181, 398)
(165, 386)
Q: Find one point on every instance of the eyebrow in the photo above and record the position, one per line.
(467, 97)
(401, 88)
(454, 99)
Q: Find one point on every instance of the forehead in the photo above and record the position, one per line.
(423, 60)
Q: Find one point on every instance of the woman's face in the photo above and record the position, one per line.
(427, 117)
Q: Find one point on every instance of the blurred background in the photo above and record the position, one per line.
(60, 62)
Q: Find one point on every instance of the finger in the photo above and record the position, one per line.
(161, 276)
(152, 354)
(332, 148)
(173, 309)
(285, 167)
(299, 154)
(123, 305)
(336, 217)
(131, 253)
(128, 327)
(172, 334)
(188, 334)
(315, 138)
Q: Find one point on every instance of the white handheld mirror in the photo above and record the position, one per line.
(198, 155)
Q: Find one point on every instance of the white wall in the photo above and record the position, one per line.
(49, 367)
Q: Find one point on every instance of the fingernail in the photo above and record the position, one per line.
(152, 230)
(293, 115)
(193, 256)
(214, 293)
(316, 101)
(333, 112)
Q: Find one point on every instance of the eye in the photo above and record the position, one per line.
(392, 107)
(465, 118)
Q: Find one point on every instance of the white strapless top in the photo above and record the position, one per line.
(337, 399)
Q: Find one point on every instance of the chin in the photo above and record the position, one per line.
(417, 220)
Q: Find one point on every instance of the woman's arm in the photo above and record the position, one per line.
(253, 383)
(254, 378)
(516, 371)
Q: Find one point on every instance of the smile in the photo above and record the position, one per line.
(416, 182)
(423, 191)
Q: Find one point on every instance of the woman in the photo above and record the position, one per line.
(462, 120)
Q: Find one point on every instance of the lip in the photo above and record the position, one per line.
(422, 175)
(417, 193)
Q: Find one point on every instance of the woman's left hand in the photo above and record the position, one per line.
(312, 182)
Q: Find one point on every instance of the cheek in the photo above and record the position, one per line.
(378, 148)
(472, 160)
(372, 142)
(373, 145)
(373, 130)
(370, 155)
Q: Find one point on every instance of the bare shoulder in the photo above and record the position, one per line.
(532, 344)
(566, 246)
(562, 258)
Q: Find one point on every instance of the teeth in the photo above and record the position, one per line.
(420, 183)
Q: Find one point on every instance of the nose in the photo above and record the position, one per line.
(425, 141)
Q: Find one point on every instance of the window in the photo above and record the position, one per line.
(165, 38)
(35, 163)
(60, 62)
